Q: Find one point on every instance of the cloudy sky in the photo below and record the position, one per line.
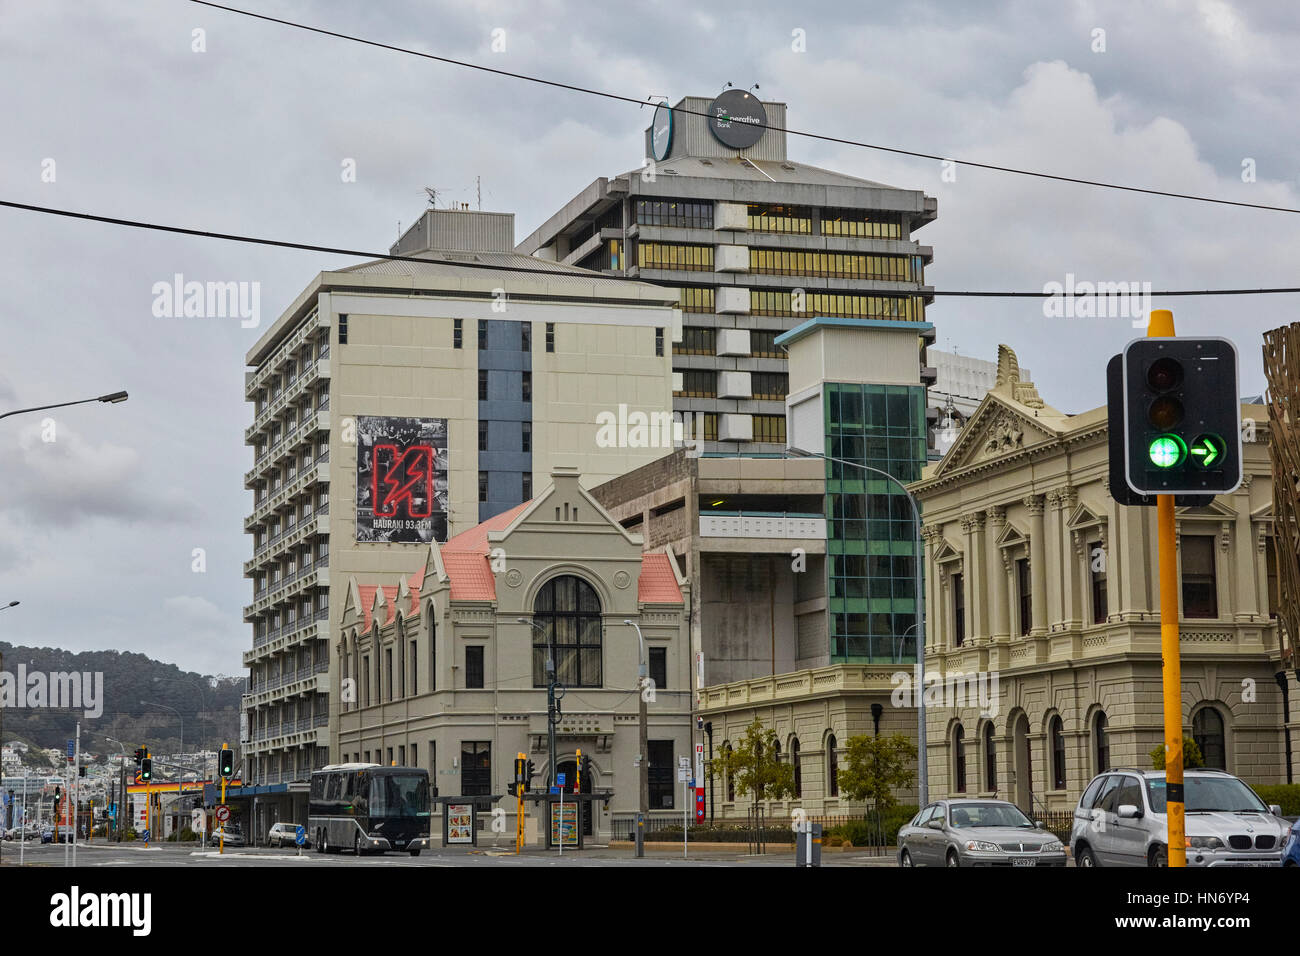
(99, 527)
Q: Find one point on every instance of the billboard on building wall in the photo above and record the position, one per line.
(401, 479)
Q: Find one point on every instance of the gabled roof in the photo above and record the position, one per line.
(465, 558)
(658, 581)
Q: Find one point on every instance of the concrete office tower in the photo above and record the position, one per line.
(397, 403)
(756, 244)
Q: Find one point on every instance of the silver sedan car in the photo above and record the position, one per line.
(958, 832)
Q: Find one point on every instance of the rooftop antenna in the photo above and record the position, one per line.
(478, 185)
(432, 193)
(652, 97)
(752, 88)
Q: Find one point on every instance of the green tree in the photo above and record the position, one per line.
(755, 765)
(1191, 756)
(875, 766)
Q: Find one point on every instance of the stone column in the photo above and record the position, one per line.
(999, 626)
(1071, 559)
(1037, 564)
(976, 578)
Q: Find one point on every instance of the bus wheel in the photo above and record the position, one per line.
(320, 846)
(356, 844)
(415, 853)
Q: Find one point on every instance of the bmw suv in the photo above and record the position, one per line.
(1120, 821)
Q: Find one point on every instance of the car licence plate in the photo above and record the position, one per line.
(1024, 862)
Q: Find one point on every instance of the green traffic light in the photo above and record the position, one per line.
(1167, 451)
(1208, 450)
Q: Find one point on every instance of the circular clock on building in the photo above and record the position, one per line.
(737, 119)
(661, 132)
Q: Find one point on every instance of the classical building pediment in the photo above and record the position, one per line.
(995, 430)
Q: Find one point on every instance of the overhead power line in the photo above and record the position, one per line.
(916, 154)
(364, 254)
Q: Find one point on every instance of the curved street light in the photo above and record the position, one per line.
(111, 398)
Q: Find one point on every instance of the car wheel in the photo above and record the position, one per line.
(1159, 856)
(415, 853)
(1085, 857)
(953, 858)
(906, 859)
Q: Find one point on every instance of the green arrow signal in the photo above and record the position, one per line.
(1207, 450)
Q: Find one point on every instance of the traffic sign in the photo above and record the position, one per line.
(72, 748)
(145, 836)
(559, 779)
(699, 804)
(300, 836)
(555, 790)
(223, 813)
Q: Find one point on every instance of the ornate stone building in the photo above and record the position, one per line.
(1037, 578)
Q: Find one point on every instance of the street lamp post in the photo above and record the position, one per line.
(921, 762)
(180, 776)
(643, 739)
(112, 398)
(6, 607)
(203, 706)
(550, 695)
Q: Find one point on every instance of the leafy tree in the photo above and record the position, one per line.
(755, 765)
(875, 766)
(1191, 756)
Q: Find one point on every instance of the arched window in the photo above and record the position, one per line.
(1101, 742)
(990, 760)
(959, 759)
(567, 611)
(794, 759)
(1057, 737)
(1207, 731)
(832, 768)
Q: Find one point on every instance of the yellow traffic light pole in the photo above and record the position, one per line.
(1162, 326)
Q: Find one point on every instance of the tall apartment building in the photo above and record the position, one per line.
(755, 242)
(397, 403)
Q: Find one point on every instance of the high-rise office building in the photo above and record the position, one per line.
(397, 403)
(756, 243)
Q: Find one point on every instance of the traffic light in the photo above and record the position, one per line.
(227, 763)
(584, 774)
(58, 792)
(1181, 416)
(530, 772)
(520, 784)
(139, 755)
(81, 771)
(146, 768)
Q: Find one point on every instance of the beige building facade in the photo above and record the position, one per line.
(1042, 593)
(443, 665)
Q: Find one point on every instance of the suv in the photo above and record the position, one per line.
(1120, 821)
(284, 834)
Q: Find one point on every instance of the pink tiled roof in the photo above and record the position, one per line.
(465, 558)
(658, 583)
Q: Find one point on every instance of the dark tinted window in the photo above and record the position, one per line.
(1107, 799)
(1129, 793)
(1089, 798)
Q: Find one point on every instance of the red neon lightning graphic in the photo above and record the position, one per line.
(405, 474)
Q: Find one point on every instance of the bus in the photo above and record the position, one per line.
(366, 807)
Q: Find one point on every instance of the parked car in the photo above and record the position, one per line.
(1291, 848)
(1120, 821)
(285, 834)
(232, 834)
(959, 832)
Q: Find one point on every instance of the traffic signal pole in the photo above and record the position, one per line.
(1162, 325)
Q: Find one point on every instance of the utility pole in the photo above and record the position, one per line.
(643, 805)
(551, 716)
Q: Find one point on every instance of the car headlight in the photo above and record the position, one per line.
(1205, 843)
(980, 846)
(1054, 847)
